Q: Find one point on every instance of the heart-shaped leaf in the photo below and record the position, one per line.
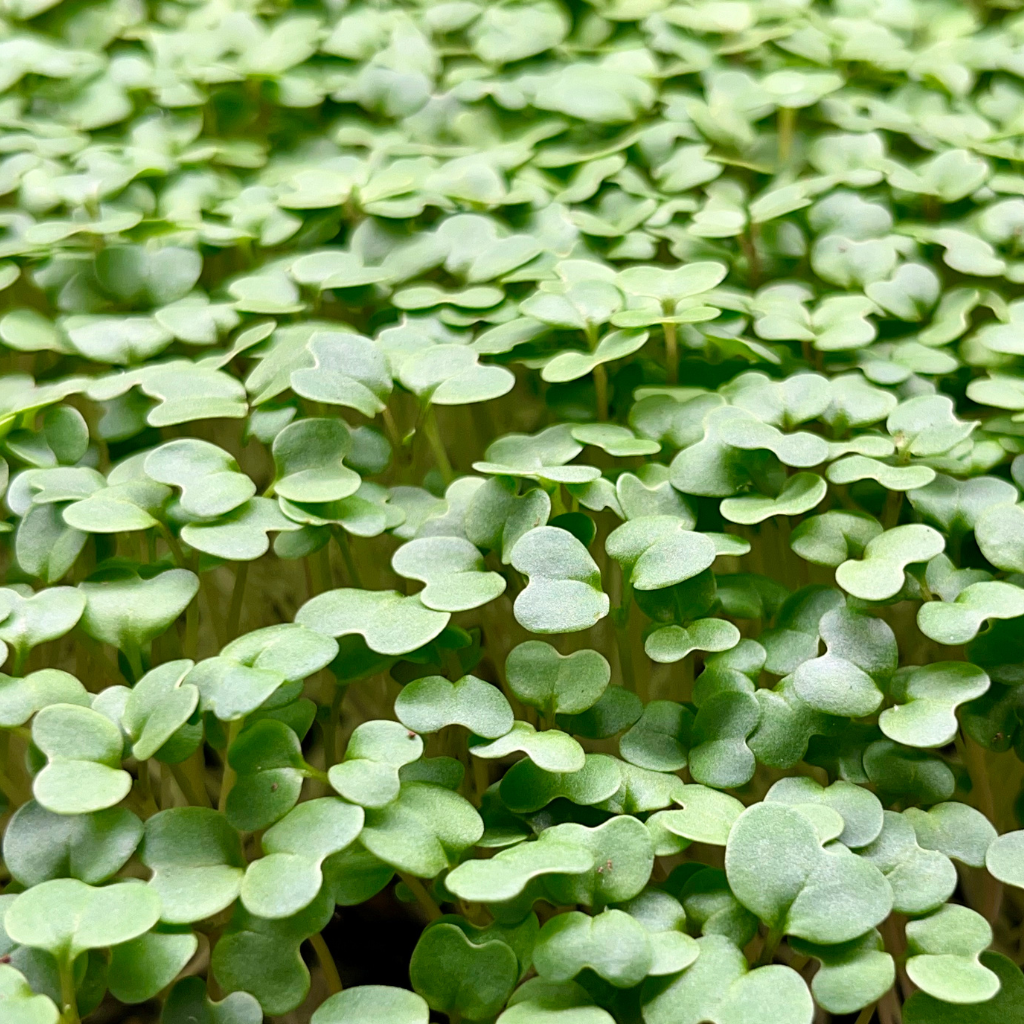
(366, 1004)
(921, 880)
(860, 654)
(140, 968)
(308, 456)
(564, 591)
(348, 369)
(854, 468)
(553, 683)
(262, 957)
(623, 858)
(859, 808)
(957, 622)
(719, 754)
(20, 699)
(65, 917)
(673, 643)
(550, 750)
(1003, 1008)
(20, 1003)
(660, 739)
(542, 456)
(422, 831)
(369, 773)
(460, 973)
(453, 571)
(40, 845)
(35, 619)
(659, 551)
(800, 493)
(704, 815)
(544, 1002)
(158, 706)
(614, 439)
(188, 1002)
(431, 703)
(944, 951)
(288, 877)
(799, 893)
(927, 699)
(527, 787)
(568, 366)
(834, 537)
(710, 905)
(506, 875)
(497, 517)
(879, 574)
(241, 534)
(1003, 858)
(128, 610)
(912, 773)
(83, 750)
(453, 374)
(720, 987)
(955, 829)
(852, 975)
(209, 479)
(196, 860)
(268, 761)
(613, 945)
(388, 621)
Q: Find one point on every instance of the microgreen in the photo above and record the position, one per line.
(540, 482)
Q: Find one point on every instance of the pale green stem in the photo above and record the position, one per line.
(66, 969)
(237, 597)
(20, 660)
(341, 537)
(230, 775)
(481, 777)
(626, 656)
(312, 772)
(191, 644)
(323, 563)
(192, 789)
(437, 447)
(425, 900)
(601, 391)
(134, 658)
(866, 1014)
(771, 944)
(9, 790)
(973, 757)
(671, 353)
(331, 729)
(146, 784)
(391, 428)
(787, 129)
(891, 510)
(327, 964)
(172, 543)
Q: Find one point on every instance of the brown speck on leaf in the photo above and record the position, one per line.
(273, 787)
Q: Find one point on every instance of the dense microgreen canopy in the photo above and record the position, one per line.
(511, 511)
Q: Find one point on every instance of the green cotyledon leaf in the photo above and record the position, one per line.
(564, 593)
(826, 896)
